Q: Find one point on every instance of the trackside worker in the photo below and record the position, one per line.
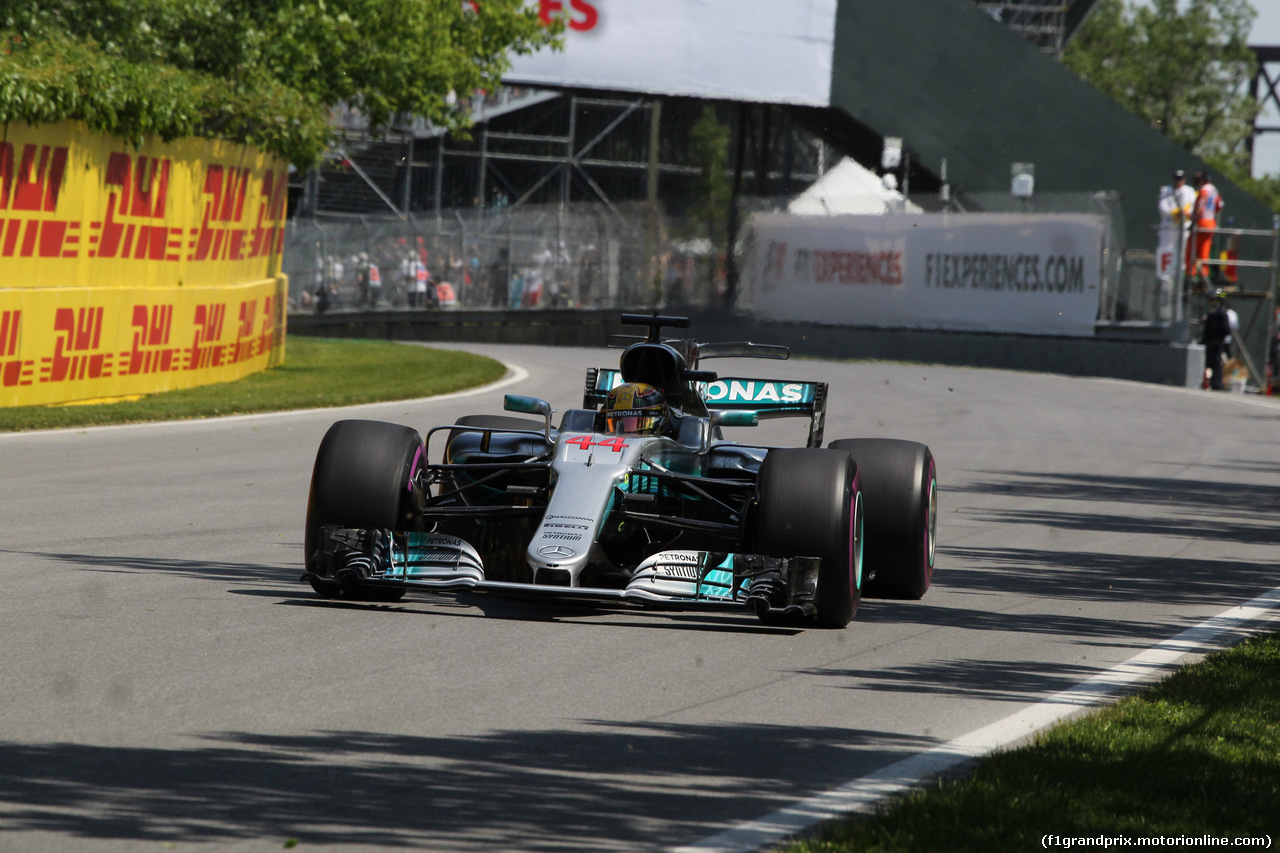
(1205, 215)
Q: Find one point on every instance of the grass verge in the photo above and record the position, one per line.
(1196, 754)
(317, 372)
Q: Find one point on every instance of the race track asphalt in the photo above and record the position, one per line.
(167, 683)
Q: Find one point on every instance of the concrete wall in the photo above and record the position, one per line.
(1150, 360)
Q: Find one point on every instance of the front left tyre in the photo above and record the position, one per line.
(365, 476)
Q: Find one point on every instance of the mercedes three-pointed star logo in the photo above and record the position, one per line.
(557, 552)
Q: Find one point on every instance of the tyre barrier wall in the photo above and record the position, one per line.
(127, 270)
(1140, 359)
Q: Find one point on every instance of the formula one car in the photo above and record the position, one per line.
(612, 505)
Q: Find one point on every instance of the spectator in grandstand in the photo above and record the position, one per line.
(317, 279)
(418, 286)
(322, 298)
(405, 275)
(515, 292)
(374, 277)
(458, 278)
(431, 297)
(500, 279)
(360, 262)
(335, 274)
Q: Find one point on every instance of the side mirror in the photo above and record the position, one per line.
(529, 406)
(735, 418)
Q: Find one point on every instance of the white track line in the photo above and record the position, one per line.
(862, 794)
(514, 375)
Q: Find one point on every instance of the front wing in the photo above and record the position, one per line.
(772, 587)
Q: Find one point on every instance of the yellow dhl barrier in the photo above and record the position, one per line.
(79, 344)
(130, 270)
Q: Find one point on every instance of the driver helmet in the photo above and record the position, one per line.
(634, 408)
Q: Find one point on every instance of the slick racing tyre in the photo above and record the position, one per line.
(809, 504)
(364, 476)
(900, 485)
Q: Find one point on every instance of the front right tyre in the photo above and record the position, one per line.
(809, 504)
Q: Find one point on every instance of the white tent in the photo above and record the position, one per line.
(849, 188)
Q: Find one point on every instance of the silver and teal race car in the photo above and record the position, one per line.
(683, 519)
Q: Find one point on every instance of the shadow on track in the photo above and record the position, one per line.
(1240, 521)
(530, 791)
(1198, 499)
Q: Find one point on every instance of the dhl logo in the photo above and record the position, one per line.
(247, 312)
(226, 188)
(77, 334)
(269, 239)
(205, 349)
(143, 185)
(246, 343)
(33, 181)
(151, 353)
(36, 182)
(142, 189)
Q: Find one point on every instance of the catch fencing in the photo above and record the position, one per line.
(606, 255)
(582, 255)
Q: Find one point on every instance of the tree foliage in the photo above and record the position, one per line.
(267, 72)
(1179, 65)
(709, 140)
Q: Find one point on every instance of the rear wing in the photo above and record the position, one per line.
(766, 398)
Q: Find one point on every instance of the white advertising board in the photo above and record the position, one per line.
(1028, 274)
(750, 50)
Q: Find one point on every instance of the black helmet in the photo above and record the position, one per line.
(634, 408)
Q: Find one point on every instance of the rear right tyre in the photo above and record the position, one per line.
(900, 482)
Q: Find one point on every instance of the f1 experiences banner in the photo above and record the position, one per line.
(751, 50)
(127, 270)
(1027, 274)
